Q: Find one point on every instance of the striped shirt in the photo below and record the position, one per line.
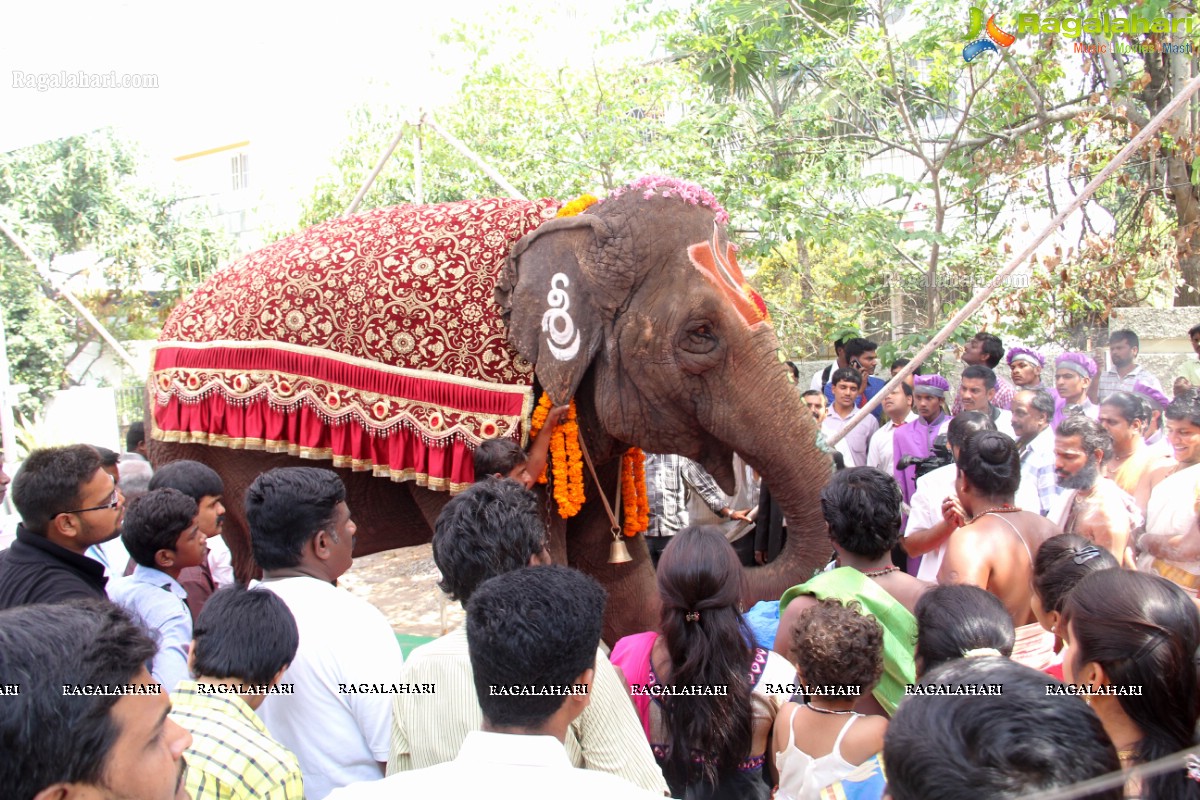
(429, 729)
(1111, 381)
(232, 756)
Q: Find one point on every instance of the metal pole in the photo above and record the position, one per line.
(362, 190)
(49, 278)
(966, 311)
(476, 160)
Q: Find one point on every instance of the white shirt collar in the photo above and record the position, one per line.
(484, 747)
(159, 578)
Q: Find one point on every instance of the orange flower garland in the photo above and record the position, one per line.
(535, 425)
(633, 492)
(566, 459)
(577, 206)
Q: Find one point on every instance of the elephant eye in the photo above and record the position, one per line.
(700, 339)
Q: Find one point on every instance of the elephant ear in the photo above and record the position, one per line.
(548, 296)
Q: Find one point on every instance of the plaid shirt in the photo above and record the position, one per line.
(232, 756)
(667, 480)
(1037, 468)
(1111, 382)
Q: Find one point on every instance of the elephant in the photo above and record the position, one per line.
(635, 308)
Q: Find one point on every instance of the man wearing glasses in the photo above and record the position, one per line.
(67, 503)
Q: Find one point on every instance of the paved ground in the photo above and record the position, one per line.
(403, 585)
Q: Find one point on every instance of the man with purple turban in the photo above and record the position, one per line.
(916, 438)
(1156, 438)
(1026, 366)
(1073, 374)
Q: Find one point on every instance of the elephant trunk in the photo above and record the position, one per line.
(781, 447)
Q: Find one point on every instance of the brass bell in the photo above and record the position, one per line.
(618, 553)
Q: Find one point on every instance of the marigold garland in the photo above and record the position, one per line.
(577, 206)
(566, 458)
(633, 492)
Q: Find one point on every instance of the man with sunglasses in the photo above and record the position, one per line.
(67, 503)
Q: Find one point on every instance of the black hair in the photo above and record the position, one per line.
(247, 634)
(1124, 335)
(857, 346)
(1042, 401)
(50, 737)
(862, 507)
(1185, 407)
(846, 374)
(1062, 562)
(813, 392)
(1090, 433)
(953, 619)
(978, 372)
(1018, 743)
(490, 528)
(154, 522)
(1143, 631)
(134, 436)
(966, 423)
(904, 362)
(699, 572)
(108, 458)
(50, 482)
(1192, 331)
(992, 348)
(904, 387)
(795, 370)
(1130, 406)
(285, 508)
(498, 457)
(534, 626)
(990, 462)
(194, 479)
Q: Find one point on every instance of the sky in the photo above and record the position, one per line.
(230, 70)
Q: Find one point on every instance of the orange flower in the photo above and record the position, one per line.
(535, 425)
(633, 492)
(566, 458)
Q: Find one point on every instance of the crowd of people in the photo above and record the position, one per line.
(1010, 607)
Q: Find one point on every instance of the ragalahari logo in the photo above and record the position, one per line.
(982, 44)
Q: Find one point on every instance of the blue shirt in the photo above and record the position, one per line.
(160, 603)
(873, 386)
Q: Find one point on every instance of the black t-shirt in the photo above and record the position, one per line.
(36, 570)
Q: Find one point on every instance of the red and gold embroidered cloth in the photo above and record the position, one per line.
(373, 341)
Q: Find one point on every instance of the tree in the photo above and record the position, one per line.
(80, 194)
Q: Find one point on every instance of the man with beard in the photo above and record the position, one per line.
(1171, 545)
(1154, 433)
(1124, 416)
(1123, 350)
(67, 504)
(916, 439)
(897, 405)
(1031, 413)
(1026, 367)
(86, 721)
(1073, 374)
(1091, 506)
(977, 391)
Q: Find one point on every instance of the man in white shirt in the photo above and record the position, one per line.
(491, 528)
(338, 719)
(532, 636)
(928, 529)
(977, 390)
(822, 376)
(1031, 414)
(898, 407)
(846, 385)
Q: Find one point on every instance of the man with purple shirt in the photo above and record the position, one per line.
(1073, 375)
(916, 438)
